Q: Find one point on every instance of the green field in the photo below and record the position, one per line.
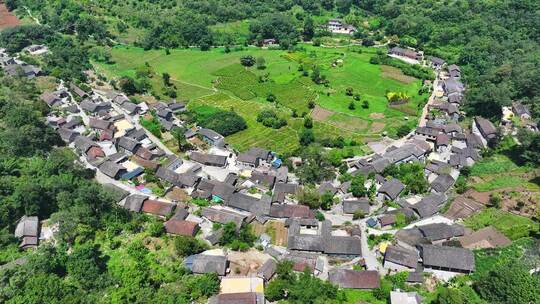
(216, 78)
(513, 226)
(500, 172)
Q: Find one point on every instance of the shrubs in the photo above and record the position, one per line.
(247, 60)
(240, 240)
(270, 119)
(187, 245)
(224, 122)
(152, 124)
(359, 214)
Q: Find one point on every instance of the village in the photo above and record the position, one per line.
(352, 245)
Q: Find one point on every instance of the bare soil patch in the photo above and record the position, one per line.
(396, 74)
(246, 263)
(377, 127)
(348, 122)
(376, 115)
(321, 114)
(274, 229)
(7, 18)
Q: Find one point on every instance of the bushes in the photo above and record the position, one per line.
(270, 119)
(152, 124)
(187, 245)
(224, 122)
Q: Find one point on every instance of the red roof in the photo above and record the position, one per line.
(157, 207)
(181, 227)
(106, 135)
(95, 152)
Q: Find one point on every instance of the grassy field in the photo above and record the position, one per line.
(513, 226)
(203, 77)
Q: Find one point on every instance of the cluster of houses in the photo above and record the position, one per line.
(517, 115)
(16, 67)
(253, 187)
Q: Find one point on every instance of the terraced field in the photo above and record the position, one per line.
(216, 78)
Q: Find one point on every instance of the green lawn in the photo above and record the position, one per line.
(513, 226)
(361, 296)
(197, 75)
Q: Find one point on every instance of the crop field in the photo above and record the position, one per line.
(217, 78)
(511, 225)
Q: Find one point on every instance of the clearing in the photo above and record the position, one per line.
(7, 18)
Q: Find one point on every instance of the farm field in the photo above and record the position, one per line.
(511, 225)
(216, 78)
(518, 186)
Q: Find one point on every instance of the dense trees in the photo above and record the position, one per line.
(511, 284)
(316, 165)
(300, 288)
(275, 26)
(224, 122)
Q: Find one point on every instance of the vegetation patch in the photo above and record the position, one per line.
(513, 226)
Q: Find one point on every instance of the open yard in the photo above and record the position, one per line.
(217, 78)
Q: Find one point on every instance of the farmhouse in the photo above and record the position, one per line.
(322, 240)
(429, 205)
(250, 203)
(212, 137)
(291, 211)
(337, 26)
(442, 183)
(399, 259)
(67, 135)
(135, 202)
(402, 52)
(27, 229)
(446, 258)
(267, 270)
(201, 263)
(437, 232)
(181, 227)
(454, 71)
(223, 216)
(452, 85)
(345, 278)
(253, 157)
(209, 159)
(239, 298)
(521, 111)
(26, 70)
(391, 189)
(484, 128)
(436, 62)
(351, 206)
(397, 297)
(112, 169)
(158, 208)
